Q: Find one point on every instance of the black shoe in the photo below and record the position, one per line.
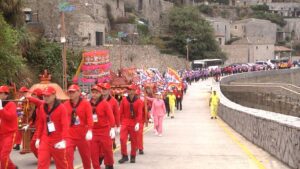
(211, 118)
(123, 159)
(132, 159)
(141, 152)
(215, 117)
(17, 167)
(101, 160)
(17, 147)
(109, 167)
(172, 117)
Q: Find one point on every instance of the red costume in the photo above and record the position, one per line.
(130, 114)
(103, 121)
(140, 134)
(35, 119)
(80, 116)
(57, 116)
(115, 108)
(8, 130)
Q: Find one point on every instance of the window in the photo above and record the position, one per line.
(118, 3)
(235, 27)
(256, 47)
(267, 47)
(97, 11)
(220, 41)
(90, 36)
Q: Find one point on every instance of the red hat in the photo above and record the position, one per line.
(49, 91)
(132, 87)
(104, 85)
(138, 92)
(4, 89)
(38, 92)
(73, 88)
(96, 87)
(23, 89)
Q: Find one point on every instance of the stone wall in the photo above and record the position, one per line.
(236, 53)
(142, 57)
(273, 98)
(276, 133)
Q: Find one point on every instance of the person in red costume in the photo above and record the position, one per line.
(140, 133)
(106, 94)
(8, 128)
(131, 111)
(80, 131)
(23, 92)
(37, 98)
(103, 130)
(52, 132)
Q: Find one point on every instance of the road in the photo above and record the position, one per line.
(191, 141)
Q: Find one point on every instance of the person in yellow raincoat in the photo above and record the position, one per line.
(214, 103)
(172, 100)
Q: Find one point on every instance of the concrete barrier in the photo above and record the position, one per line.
(276, 133)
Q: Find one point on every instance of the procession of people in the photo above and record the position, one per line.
(90, 125)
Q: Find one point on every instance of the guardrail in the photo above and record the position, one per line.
(276, 133)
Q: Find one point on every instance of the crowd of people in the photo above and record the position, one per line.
(87, 124)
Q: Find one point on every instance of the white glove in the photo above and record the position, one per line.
(37, 143)
(25, 127)
(150, 120)
(137, 127)
(22, 98)
(1, 107)
(89, 135)
(112, 133)
(118, 129)
(60, 145)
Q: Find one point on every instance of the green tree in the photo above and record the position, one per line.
(11, 61)
(12, 11)
(47, 55)
(187, 23)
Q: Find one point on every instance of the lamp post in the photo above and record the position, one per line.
(188, 40)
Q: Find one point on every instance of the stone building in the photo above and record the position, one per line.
(293, 26)
(221, 29)
(86, 25)
(154, 12)
(257, 28)
(249, 50)
(285, 9)
(247, 2)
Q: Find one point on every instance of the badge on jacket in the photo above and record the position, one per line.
(51, 127)
(95, 118)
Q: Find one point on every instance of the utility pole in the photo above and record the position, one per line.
(64, 51)
(187, 56)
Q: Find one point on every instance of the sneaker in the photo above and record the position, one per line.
(172, 117)
(215, 117)
(155, 133)
(132, 159)
(160, 135)
(141, 152)
(211, 117)
(123, 159)
(109, 167)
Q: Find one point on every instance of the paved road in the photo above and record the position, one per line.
(191, 141)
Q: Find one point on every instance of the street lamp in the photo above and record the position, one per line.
(188, 40)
